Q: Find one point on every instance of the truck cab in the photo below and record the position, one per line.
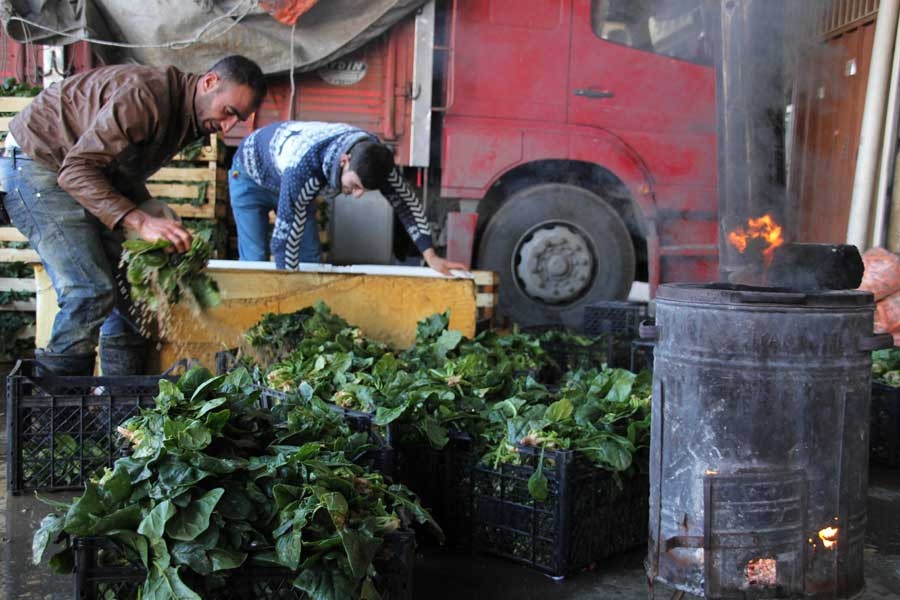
(585, 132)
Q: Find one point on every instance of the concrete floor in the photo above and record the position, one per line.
(448, 575)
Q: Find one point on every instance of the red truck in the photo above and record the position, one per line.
(581, 132)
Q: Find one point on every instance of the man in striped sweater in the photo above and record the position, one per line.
(286, 165)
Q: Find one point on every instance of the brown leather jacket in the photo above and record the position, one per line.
(107, 130)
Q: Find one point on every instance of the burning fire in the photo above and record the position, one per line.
(762, 571)
(828, 536)
(764, 228)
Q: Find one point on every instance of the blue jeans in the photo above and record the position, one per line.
(81, 256)
(251, 203)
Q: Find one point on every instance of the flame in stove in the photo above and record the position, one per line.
(762, 571)
(765, 229)
(712, 472)
(828, 536)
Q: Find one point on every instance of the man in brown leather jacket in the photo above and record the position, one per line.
(74, 171)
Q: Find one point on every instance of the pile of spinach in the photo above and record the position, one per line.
(160, 279)
(308, 343)
(213, 484)
(485, 388)
(886, 366)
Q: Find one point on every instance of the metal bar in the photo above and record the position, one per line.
(389, 89)
(450, 62)
(564, 505)
(13, 461)
(81, 474)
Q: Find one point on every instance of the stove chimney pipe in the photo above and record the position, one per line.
(749, 40)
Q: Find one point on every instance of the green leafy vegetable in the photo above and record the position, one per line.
(214, 483)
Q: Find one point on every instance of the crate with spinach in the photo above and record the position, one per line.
(217, 489)
(62, 429)
(563, 482)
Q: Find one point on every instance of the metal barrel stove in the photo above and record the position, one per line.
(760, 438)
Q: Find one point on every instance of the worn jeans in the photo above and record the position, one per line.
(81, 256)
(251, 203)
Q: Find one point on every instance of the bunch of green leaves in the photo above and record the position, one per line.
(512, 352)
(886, 366)
(306, 333)
(8, 296)
(602, 414)
(213, 484)
(160, 279)
(13, 87)
(16, 269)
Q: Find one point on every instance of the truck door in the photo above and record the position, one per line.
(635, 65)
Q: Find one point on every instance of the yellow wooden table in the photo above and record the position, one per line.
(385, 302)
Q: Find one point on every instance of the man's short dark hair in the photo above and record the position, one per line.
(243, 71)
(372, 162)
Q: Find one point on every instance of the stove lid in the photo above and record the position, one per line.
(729, 293)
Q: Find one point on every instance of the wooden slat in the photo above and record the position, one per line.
(184, 174)
(11, 234)
(9, 104)
(485, 300)
(486, 277)
(179, 190)
(207, 154)
(4, 123)
(17, 284)
(26, 255)
(19, 306)
(189, 211)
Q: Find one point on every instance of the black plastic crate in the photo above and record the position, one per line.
(566, 354)
(617, 318)
(617, 323)
(61, 431)
(442, 479)
(589, 513)
(885, 428)
(101, 573)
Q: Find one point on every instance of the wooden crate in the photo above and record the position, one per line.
(18, 284)
(187, 182)
(9, 106)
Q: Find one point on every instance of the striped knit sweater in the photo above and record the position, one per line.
(299, 160)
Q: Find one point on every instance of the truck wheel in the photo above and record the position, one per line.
(557, 248)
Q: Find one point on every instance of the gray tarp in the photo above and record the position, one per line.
(329, 30)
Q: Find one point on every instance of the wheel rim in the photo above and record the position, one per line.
(554, 263)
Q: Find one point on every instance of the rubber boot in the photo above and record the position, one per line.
(122, 354)
(51, 363)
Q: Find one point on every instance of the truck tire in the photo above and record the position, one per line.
(557, 248)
